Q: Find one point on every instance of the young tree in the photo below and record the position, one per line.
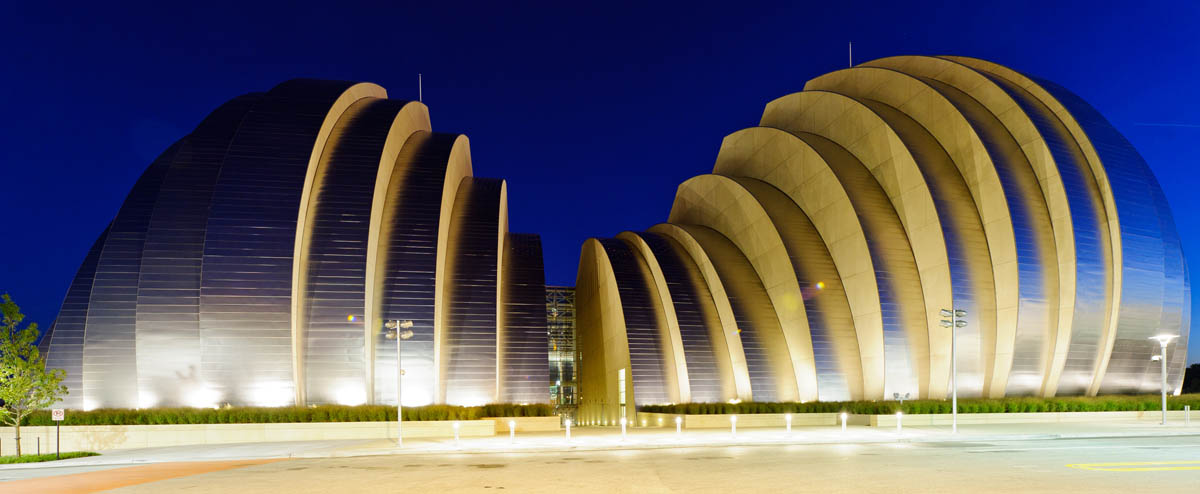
(25, 382)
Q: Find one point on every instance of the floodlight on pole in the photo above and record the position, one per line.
(396, 333)
(1163, 340)
(955, 321)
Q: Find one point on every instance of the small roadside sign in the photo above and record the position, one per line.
(57, 414)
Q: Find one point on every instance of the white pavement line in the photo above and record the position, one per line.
(1023, 450)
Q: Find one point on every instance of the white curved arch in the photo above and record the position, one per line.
(299, 252)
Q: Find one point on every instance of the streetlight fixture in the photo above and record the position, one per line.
(1163, 340)
(956, 321)
(399, 331)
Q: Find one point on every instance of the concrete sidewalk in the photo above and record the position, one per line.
(610, 438)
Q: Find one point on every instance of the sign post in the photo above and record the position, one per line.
(57, 415)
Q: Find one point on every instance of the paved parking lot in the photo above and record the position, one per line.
(983, 459)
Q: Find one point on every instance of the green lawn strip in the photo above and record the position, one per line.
(45, 457)
(260, 415)
(1110, 403)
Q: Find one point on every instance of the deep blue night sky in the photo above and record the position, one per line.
(593, 115)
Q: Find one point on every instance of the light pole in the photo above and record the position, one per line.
(1163, 340)
(956, 321)
(399, 331)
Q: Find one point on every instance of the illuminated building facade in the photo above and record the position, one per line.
(256, 261)
(814, 262)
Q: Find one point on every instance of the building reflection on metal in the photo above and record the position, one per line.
(470, 334)
(643, 324)
(256, 261)
(523, 362)
(1154, 290)
(695, 313)
(1062, 295)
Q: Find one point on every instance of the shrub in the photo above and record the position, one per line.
(255, 415)
(1109, 403)
(45, 457)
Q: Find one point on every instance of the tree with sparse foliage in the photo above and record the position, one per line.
(26, 385)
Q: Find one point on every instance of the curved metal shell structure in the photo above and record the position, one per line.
(813, 262)
(256, 261)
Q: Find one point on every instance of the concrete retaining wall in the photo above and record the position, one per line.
(528, 424)
(109, 437)
(1025, 418)
(719, 421)
(667, 420)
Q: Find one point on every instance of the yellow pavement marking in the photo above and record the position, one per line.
(1138, 466)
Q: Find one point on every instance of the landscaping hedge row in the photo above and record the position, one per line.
(1116, 403)
(256, 415)
(4, 460)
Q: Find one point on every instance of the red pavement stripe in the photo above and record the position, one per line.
(101, 480)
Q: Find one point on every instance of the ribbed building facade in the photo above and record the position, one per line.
(256, 261)
(813, 262)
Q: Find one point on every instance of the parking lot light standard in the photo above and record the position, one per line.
(400, 331)
(957, 320)
(1163, 340)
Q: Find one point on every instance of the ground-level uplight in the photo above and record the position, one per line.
(788, 419)
(844, 421)
(733, 424)
(899, 421)
(678, 426)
